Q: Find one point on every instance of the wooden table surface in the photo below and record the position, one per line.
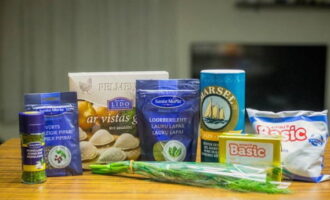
(91, 186)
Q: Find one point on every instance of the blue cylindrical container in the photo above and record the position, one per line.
(31, 126)
(222, 108)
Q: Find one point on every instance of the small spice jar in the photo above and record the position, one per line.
(31, 126)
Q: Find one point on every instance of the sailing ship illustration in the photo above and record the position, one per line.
(214, 114)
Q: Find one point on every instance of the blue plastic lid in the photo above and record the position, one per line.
(31, 122)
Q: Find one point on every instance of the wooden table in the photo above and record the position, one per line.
(91, 186)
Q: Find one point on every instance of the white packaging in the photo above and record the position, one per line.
(304, 137)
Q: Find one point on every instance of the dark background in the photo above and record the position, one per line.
(278, 77)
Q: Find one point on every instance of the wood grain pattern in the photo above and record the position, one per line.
(90, 186)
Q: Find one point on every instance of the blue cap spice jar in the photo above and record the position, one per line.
(31, 126)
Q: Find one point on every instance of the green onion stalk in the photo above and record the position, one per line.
(228, 176)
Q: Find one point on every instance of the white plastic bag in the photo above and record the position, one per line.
(304, 134)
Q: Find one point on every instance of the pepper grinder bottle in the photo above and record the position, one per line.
(31, 126)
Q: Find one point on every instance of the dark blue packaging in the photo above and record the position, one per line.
(168, 119)
(62, 152)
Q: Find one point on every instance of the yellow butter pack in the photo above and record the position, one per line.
(251, 149)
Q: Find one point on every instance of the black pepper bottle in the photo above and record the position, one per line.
(31, 126)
